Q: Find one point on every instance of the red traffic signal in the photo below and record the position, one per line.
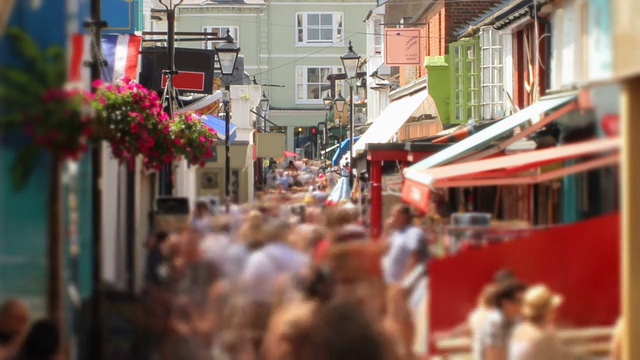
(314, 130)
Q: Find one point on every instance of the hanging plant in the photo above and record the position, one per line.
(131, 118)
(34, 103)
(193, 139)
(62, 123)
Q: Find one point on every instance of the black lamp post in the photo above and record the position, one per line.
(227, 55)
(350, 62)
(340, 101)
(264, 106)
(328, 104)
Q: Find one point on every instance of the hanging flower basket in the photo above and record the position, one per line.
(192, 138)
(131, 119)
(61, 124)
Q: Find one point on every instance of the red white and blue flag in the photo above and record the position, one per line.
(121, 53)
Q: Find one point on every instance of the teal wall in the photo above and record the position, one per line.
(23, 233)
(24, 213)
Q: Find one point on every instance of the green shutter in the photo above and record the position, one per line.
(465, 78)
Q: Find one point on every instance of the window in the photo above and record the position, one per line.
(465, 90)
(491, 77)
(220, 31)
(319, 28)
(312, 84)
(378, 33)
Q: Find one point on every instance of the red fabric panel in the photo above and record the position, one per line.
(580, 261)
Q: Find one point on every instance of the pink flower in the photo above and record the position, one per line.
(166, 158)
(134, 128)
(202, 139)
(103, 101)
(177, 141)
(96, 83)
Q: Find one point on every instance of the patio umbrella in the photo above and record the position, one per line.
(290, 154)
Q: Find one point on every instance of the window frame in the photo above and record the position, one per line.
(303, 86)
(234, 31)
(337, 29)
(492, 105)
(465, 72)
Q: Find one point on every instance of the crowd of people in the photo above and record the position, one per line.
(266, 282)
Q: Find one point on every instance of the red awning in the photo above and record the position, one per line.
(517, 169)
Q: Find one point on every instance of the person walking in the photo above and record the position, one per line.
(496, 331)
(406, 243)
(535, 338)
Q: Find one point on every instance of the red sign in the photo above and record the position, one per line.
(416, 194)
(402, 47)
(186, 80)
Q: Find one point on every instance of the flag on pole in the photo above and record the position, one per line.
(121, 53)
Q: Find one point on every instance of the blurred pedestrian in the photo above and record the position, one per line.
(201, 216)
(41, 343)
(496, 331)
(407, 245)
(535, 338)
(14, 321)
(156, 266)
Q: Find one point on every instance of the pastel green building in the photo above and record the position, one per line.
(291, 43)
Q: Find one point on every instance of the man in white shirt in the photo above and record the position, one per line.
(406, 245)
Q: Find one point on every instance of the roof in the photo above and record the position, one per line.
(498, 16)
(485, 18)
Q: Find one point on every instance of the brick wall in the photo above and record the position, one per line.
(459, 13)
(441, 20)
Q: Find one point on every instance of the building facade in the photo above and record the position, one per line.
(293, 45)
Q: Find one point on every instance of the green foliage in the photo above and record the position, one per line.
(22, 90)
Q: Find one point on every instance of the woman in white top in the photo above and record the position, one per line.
(534, 338)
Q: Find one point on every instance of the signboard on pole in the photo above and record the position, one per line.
(269, 145)
(402, 47)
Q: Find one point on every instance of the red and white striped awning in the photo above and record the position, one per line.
(517, 169)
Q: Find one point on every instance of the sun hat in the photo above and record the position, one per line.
(539, 299)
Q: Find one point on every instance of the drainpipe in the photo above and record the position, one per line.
(96, 24)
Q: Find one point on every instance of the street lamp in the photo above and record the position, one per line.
(264, 106)
(350, 62)
(227, 55)
(340, 101)
(328, 104)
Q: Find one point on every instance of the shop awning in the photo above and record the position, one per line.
(479, 144)
(517, 169)
(343, 151)
(391, 120)
(219, 125)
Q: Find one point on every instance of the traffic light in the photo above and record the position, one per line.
(314, 131)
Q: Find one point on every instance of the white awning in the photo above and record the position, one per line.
(391, 120)
(483, 139)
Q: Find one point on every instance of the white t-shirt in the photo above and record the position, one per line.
(265, 266)
(402, 245)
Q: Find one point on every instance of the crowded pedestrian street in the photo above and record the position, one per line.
(319, 180)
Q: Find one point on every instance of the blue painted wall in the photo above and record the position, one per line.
(122, 16)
